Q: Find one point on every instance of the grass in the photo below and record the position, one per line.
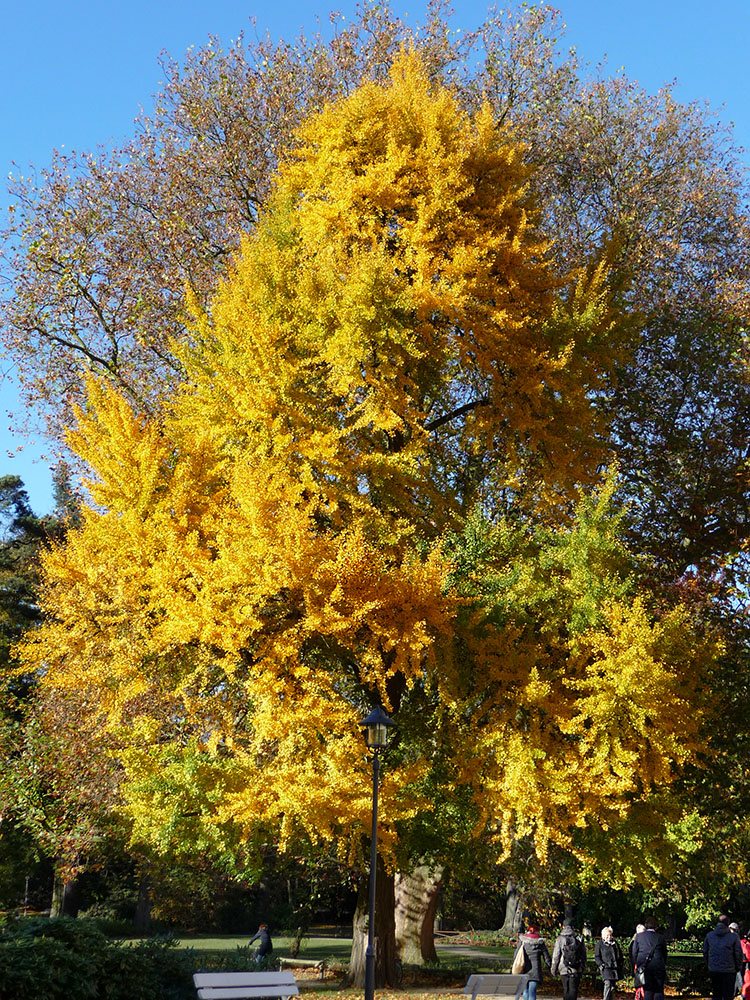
(322, 947)
(479, 957)
(312, 947)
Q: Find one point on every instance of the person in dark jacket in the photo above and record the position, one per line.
(648, 951)
(723, 954)
(569, 959)
(608, 958)
(266, 944)
(639, 929)
(536, 951)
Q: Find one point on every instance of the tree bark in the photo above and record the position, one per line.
(385, 932)
(513, 909)
(65, 897)
(417, 897)
(142, 917)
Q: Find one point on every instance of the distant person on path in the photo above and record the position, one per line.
(648, 951)
(608, 958)
(536, 950)
(569, 959)
(266, 944)
(723, 955)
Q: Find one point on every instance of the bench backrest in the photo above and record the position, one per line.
(496, 984)
(244, 985)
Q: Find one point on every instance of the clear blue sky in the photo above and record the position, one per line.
(75, 74)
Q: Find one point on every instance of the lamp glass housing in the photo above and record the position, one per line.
(376, 727)
(377, 736)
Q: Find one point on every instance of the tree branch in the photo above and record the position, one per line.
(447, 417)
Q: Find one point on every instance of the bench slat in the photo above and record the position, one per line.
(242, 992)
(497, 984)
(244, 978)
(244, 985)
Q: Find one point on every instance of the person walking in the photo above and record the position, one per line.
(735, 929)
(648, 953)
(745, 945)
(536, 951)
(569, 959)
(639, 929)
(723, 955)
(608, 958)
(266, 944)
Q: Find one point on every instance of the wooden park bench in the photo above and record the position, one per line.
(502, 984)
(244, 985)
(319, 964)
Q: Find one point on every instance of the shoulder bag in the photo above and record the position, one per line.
(521, 962)
(639, 973)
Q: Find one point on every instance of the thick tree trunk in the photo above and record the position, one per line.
(65, 901)
(385, 932)
(142, 917)
(417, 896)
(513, 909)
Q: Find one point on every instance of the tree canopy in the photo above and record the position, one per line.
(315, 522)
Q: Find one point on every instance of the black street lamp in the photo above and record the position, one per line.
(376, 736)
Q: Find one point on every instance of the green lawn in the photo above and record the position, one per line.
(480, 955)
(312, 947)
(323, 947)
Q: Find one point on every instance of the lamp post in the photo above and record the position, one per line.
(376, 736)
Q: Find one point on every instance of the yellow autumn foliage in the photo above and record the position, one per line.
(392, 348)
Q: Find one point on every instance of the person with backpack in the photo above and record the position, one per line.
(569, 959)
(608, 958)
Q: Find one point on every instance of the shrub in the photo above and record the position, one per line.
(66, 959)
(689, 975)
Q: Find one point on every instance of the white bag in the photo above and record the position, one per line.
(519, 962)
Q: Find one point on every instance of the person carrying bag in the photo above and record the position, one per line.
(648, 953)
(532, 950)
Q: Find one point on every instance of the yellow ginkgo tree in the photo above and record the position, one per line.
(393, 364)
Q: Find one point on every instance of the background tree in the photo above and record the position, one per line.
(57, 787)
(21, 537)
(21, 540)
(98, 253)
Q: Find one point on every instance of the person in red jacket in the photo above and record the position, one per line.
(537, 952)
(745, 945)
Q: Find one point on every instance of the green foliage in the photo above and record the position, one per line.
(21, 537)
(64, 959)
(689, 975)
(685, 946)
